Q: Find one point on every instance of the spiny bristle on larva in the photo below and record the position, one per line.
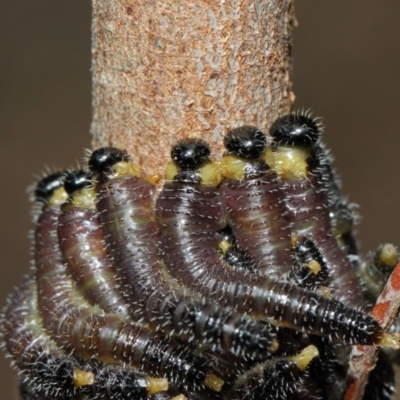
(304, 358)
(194, 207)
(156, 385)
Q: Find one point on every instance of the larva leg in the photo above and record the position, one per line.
(232, 254)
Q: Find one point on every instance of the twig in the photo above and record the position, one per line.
(363, 358)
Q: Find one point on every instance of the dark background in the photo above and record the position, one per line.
(347, 66)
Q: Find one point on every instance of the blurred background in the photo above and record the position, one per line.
(347, 63)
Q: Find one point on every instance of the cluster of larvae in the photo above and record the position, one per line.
(238, 279)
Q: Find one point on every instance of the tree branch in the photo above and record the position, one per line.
(164, 70)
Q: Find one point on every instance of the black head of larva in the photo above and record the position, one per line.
(77, 180)
(246, 142)
(46, 187)
(190, 154)
(103, 159)
(295, 130)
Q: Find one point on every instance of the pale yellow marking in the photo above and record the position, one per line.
(314, 266)
(213, 382)
(289, 162)
(293, 240)
(154, 179)
(325, 291)
(179, 397)
(388, 255)
(82, 378)
(85, 197)
(224, 245)
(275, 345)
(304, 358)
(233, 167)
(156, 385)
(268, 157)
(391, 340)
(59, 197)
(171, 170)
(123, 168)
(210, 174)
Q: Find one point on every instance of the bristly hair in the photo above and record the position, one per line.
(309, 114)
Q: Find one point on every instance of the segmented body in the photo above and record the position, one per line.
(308, 214)
(160, 253)
(133, 246)
(89, 332)
(342, 216)
(279, 380)
(48, 370)
(32, 350)
(81, 238)
(190, 217)
(255, 210)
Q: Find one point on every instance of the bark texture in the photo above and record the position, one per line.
(169, 69)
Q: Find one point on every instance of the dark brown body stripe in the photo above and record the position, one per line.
(133, 246)
(49, 371)
(81, 238)
(190, 217)
(308, 214)
(88, 332)
(255, 210)
(140, 287)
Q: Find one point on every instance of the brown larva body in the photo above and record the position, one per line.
(89, 332)
(49, 372)
(255, 211)
(308, 214)
(190, 216)
(81, 238)
(133, 246)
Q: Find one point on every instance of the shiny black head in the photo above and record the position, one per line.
(246, 142)
(295, 130)
(190, 154)
(77, 180)
(48, 185)
(103, 159)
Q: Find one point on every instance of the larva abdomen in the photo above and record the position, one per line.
(134, 247)
(190, 253)
(49, 372)
(190, 218)
(82, 245)
(37, 357)
(255, 211)
(308, 215)
(89, 332)
(132, 244)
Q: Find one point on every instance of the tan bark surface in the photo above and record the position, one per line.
(165, 70)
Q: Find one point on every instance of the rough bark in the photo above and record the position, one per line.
(165, 70)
